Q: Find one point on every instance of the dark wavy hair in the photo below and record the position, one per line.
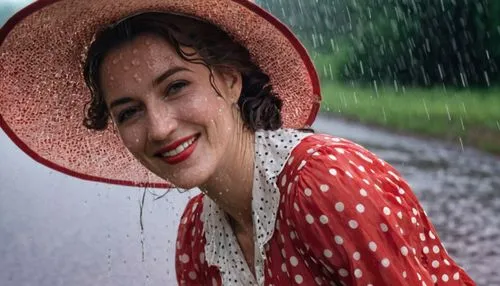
(259, 105)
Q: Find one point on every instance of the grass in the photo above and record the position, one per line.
(468, 117)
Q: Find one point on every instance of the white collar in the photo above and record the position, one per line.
(272, 149)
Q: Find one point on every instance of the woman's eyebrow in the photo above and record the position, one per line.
(119, 101)
(167, 74)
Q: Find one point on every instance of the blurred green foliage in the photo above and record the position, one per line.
(412, 42)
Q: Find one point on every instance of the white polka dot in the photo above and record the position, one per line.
(387, 211)
(349, 174)
(361, 168)
(413, 220)
(422, 237)
(295, 206)
(292, 235)
(339, 239)
(308, 192)
(283, 180)
(401, 191)
(414, 210)
(446, 262)
(434, 278)
(385, 262)
(323, 219)
(404, 274)
(418, 276)
(360, 208)
(435, 249)
(366, 181)
(202, 257)
(318, 280)
(456, 276)
(283, 267)
(400, 215)
(445, 278)
(309, 219)
(310, 151)
(290, 160)
(340, 150)
(192, 275)
(333, 172)
(184, 258)
(327, 253)
(302, 164)
(435, 264)
(356, 255)
(339, 206)
(399, 200)
(423, 283)
(431, 235)
(426, 250)
(364, 157)
(363, 192)
(324, 188)
(316, 154)
(384, 227)
(358, 273)
(294, 261)
(343, 272)
(332, 157)
(353, 224)
(372, 245)
(214, 282)
(404, 250)
(299, 279)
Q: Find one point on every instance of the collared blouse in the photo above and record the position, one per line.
(326, 211)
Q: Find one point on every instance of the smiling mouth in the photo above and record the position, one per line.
(179, 149)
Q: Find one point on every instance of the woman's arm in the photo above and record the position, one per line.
(357, 217)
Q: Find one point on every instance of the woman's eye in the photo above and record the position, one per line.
(176, 87)
(126, 114)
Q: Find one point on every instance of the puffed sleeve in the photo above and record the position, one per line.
(190, 262)
(361, 223)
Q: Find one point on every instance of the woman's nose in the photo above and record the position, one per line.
(161, 123)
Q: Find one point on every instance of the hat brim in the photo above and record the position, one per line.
(43, 93)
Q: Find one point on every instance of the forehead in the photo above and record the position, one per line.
(144, 51)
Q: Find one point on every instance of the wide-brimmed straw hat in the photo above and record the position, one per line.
(43, 92)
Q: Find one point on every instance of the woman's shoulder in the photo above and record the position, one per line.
(330, 147)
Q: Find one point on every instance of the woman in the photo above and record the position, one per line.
(214, 94)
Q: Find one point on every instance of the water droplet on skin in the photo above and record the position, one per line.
(136, 62)
(137, 78)
(111, 78)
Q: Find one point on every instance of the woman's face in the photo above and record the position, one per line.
(167, 112)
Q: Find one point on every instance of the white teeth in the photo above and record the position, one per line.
(179, 148)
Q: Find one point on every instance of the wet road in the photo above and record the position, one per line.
(56, 230)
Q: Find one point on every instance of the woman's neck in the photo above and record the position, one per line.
(231, 186)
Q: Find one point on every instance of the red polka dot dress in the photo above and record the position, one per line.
(326, 212)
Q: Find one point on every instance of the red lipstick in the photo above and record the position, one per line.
(172, 160)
